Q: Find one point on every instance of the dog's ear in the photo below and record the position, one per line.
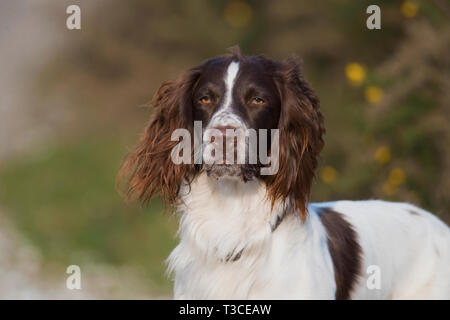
(301, 126)
(149, 170)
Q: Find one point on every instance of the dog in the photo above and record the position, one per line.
(245, 235)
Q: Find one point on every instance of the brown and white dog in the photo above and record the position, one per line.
(245, 235)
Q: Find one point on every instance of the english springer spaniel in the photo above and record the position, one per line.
(245, 235)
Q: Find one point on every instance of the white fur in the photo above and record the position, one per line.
(232, 72)
(221, 217)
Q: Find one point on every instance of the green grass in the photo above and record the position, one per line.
(63, 198)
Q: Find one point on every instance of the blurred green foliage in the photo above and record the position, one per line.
(64, 199)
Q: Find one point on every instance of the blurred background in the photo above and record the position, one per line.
(71, 106)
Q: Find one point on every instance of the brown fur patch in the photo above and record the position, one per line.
(345, 251)
(149, 170)
(234, 257)
(414, 213)
(301, 127)
(278, 221)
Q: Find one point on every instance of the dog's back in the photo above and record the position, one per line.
(406, 247)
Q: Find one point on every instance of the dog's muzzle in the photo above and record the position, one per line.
(225, 153)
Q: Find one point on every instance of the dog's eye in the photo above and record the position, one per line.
(257, 100)
(205, 100)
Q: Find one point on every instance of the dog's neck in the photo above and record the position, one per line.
(228, 232)
(226, 225)
(222, 218)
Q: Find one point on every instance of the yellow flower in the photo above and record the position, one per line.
(397, 176)
(389, 189)
(383, 155)
(373, 94)
(328, 174)
(355, 73)
(409, 9)
(238, 13)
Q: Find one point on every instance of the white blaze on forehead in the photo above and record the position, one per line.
(224, 115)
(230, 78)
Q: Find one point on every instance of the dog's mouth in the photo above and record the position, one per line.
(228, 156)
(246, 172)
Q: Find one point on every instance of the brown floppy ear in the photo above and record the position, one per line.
(148, 170)
(301, 127)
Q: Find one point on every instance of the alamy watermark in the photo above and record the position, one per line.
(73, 21)
(374, 20)
(229, 146)
(373, 281)
(73, 282)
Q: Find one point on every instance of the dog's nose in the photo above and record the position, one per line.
(223, 129)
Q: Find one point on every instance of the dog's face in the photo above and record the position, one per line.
(229, 98)
(234, 93)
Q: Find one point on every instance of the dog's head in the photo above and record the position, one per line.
(228, 95)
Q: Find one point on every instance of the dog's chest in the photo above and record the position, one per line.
(228, 248)
(224, 232)
(213, 279)
(275, 268)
